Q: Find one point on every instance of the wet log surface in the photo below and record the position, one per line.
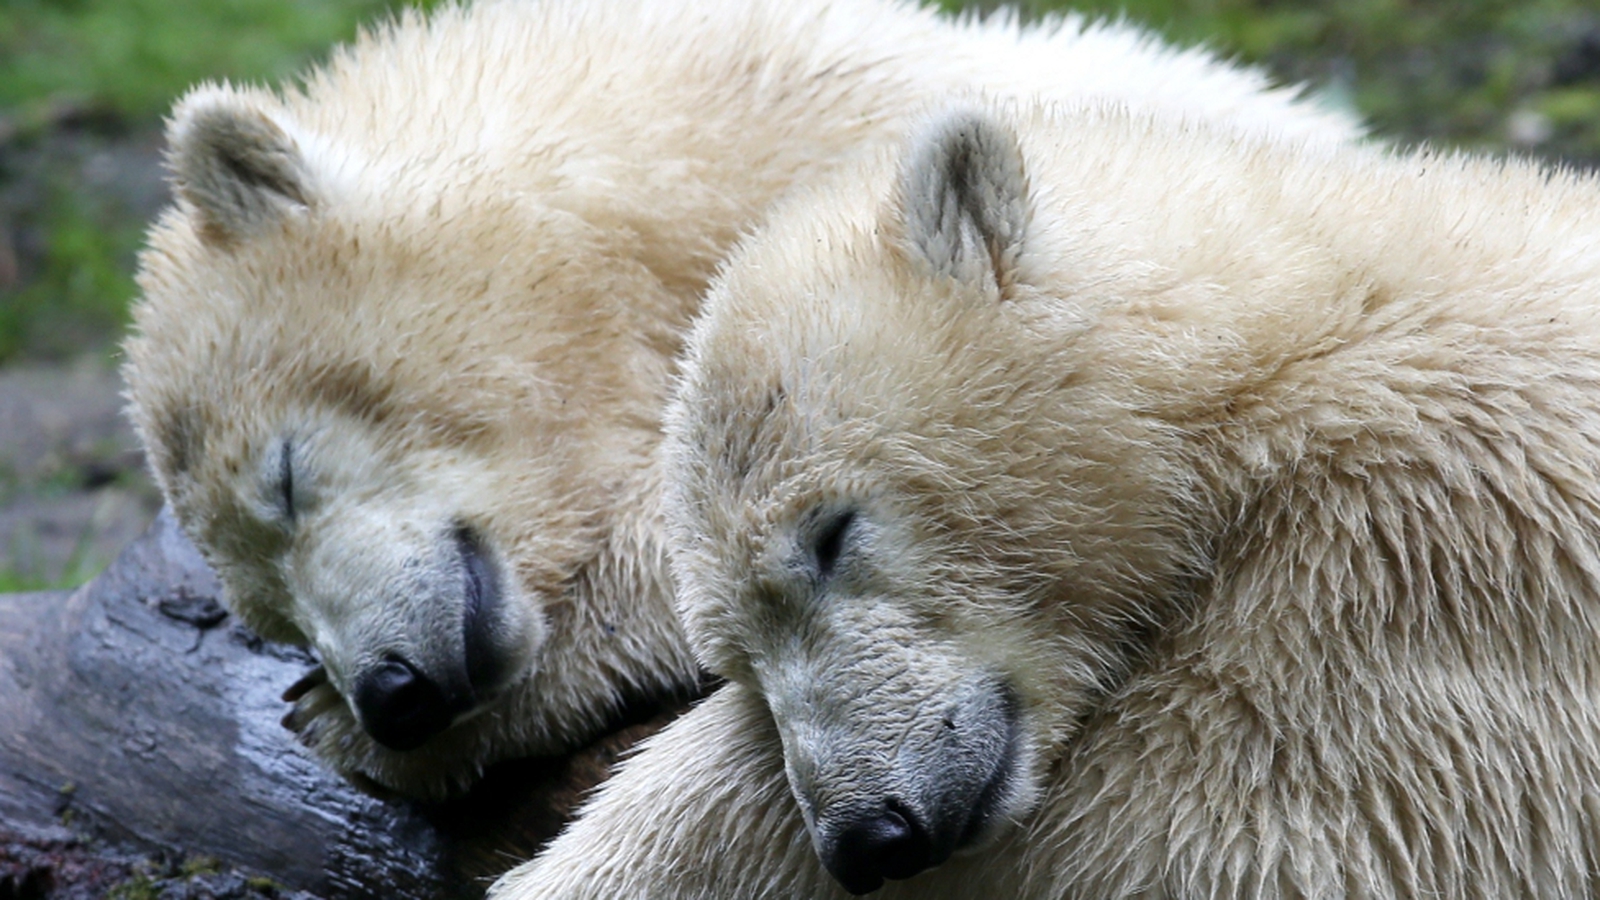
(140, 739)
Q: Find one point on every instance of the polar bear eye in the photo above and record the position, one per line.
(286, 479)
(829, 541)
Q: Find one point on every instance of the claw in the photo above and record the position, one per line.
(366, 785)
(306, 684)
(302, 721)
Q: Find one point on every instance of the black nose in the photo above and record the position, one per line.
(891, 844)
(400, 706)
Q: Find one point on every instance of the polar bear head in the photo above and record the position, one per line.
(905, 509)
(400, 409)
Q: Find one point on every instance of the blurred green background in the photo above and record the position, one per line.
(84, 83)
(83, 80)
(83, 87)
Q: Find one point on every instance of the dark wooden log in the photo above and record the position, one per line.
(135, 714)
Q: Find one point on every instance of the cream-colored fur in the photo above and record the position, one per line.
(1266, 483)
(406, 334)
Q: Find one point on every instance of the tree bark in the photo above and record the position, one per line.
(137, 715)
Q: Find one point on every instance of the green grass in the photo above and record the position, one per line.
(16, 576)
(13, 582)
(82, 291)
(131, 57)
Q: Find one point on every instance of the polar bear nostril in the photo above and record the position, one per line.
(890, 844)
(400, 706)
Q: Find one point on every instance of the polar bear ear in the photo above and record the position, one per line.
(238, 167)
(964, 199)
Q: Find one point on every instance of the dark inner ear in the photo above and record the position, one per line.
(276, 180)
(238, 168)
(964, 198)
(964, 176)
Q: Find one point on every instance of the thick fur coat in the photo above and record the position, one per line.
(406, 334)
(1085, 505)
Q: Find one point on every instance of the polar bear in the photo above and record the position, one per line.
(1089, 504)
(406, 334)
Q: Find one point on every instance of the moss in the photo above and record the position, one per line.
(139, 887)
(199, 865)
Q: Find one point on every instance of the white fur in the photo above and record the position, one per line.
(449, 273)
(1271, 484)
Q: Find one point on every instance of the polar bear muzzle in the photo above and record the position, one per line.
(400, 703)
(950, 788)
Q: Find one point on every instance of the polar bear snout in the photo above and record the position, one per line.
(953, 776)
(891, 843)
(404, 698)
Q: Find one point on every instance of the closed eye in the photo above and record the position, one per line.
(829, 542)
(286, 479)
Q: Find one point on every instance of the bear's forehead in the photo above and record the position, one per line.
(227, 412)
